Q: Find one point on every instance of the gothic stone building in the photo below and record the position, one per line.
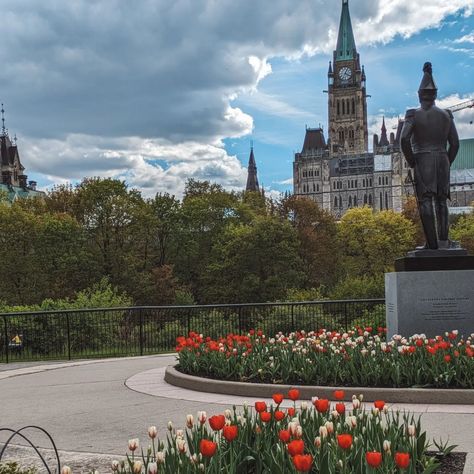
(13, 180)
(341, 173)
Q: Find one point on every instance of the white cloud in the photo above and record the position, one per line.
(112, 87)
(466, 38)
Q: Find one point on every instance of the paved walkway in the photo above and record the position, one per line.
(92, 407)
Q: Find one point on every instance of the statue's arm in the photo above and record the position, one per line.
(405, 139)
(453, 139)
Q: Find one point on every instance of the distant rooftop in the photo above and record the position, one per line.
(465, 158)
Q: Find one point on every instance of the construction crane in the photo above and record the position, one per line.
(468, 104)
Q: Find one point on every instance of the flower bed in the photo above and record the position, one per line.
(358, 358)
(319, 437)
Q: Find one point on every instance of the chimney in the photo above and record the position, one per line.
(32, 185)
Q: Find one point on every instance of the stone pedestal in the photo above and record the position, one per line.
(429, 302)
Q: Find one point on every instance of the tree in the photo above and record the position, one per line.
(254, 262)
(372, 241)
(463, 231)
(411, 212)
(320, 248)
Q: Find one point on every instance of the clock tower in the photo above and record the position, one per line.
(348, 133)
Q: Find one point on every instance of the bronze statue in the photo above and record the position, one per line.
(425, 136)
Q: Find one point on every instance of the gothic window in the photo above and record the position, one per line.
(343, 107)
(335, 201)
(355, 201)
(386, 201)
(314, 187)
(370, 199)
(353, 107)
(380, 180)
(341, 136)
(365, 198)
(338, 108)
(348, 102)
(350, 201)
(381, 202)
(355, 183)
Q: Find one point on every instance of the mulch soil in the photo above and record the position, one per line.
(451, 464)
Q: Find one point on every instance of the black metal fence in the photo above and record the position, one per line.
(145, 330)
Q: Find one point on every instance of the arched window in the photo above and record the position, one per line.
(343, 107)
(365, 198)
(350, 201)
(386, 201)
(314, 187)
(348, 105)
(353, 107)
(370, 199)
(380, 180)
(335, 201)
(338, 108)
(381, 202)
(355, 201)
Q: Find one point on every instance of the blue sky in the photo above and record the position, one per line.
(393, 76)
(156, 92)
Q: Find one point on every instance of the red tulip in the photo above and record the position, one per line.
(260, 406)
(341, 408)
(373, 458)
(278, 398)
(447, 358)
(339, 394)
(230, 432)
(291, 412)
(293, 394)
(303, 462)
(402, 460)
(207, 448)
(344, 441)
(322, 405)
(379, 404)
(296, 447)
(284, 436)
(217, 422)
(279, 415)
(265, 416)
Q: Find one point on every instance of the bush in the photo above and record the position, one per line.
(14, 468)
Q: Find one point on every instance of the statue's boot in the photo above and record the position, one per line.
(428, 222)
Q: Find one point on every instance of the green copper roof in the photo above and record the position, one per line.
(15, 192)
(346, 47)
(465, 158)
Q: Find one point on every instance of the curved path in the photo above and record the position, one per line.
(88, 408)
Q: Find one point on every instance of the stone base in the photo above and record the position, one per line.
(429, 302)
(437, 252)
(434, 263)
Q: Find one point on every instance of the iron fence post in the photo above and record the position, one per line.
(188, 322)
(141, 331)
(240, 320)
(68, 329)
(6, 338)
(346, 322)
(292, 317)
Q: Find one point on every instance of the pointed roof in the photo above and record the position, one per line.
(252, 179)
(346, 47)
(314, 140)
(383, 137)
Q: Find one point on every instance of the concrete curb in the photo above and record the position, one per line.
(391, 395)
(5, 374)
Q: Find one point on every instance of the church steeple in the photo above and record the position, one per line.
(346, 47)
(383, 137)
(252, 180)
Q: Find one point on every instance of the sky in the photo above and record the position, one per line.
(158, 91)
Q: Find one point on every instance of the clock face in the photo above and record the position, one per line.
(345, 73)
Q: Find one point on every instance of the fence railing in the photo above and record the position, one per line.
(109, 332)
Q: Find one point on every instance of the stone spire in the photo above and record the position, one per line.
(383, 137)
(252, 180)
(346, 47)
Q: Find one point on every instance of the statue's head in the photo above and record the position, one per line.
(428, 92)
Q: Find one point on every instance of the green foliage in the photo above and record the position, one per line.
(253, 263)
(15, 468)
(363, 287)
(463, 231)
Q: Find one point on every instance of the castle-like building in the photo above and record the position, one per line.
(13, 180)
(341, 173)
